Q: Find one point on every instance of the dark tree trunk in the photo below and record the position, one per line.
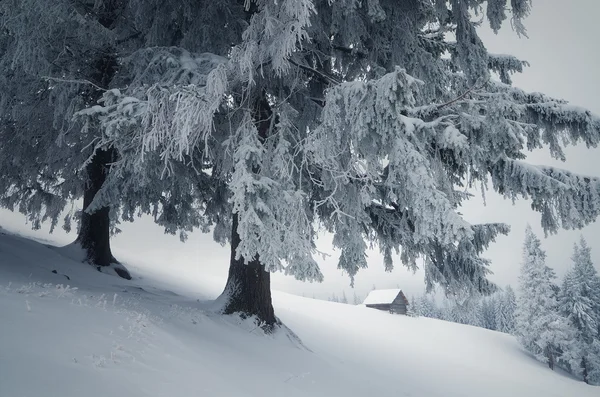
(248, 287)
(550, 356)
(585, 370)
(94, 230)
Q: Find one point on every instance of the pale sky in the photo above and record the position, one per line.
(563, 49)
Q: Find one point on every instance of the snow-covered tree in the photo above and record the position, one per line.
(539, 326)
(465, 310)
(356, 300)
(505, 310)
(344, 299)
(367, 120)
(49, 159)
(427, 307)
(579, 302)
(487, 312)
(413, 309)
(45, 163)
(495, 312)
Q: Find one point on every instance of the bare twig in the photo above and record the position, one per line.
(316, 72)
(83, 81)
(464, 94)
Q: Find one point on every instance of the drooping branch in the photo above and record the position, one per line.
(325, 77)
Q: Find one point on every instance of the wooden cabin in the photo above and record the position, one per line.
(391, 300)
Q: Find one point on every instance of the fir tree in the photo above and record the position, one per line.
(343, 299)
(445, 311)
(466, 310)
(412, 310)
(539, 327)
(50, 159)
(427, 307)
(579, 302)
(45, 164)
(371, 140)
(505, 311)
(365, 118)
(356, 299)
(487, 318)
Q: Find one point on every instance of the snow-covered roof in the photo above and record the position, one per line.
(381, 296)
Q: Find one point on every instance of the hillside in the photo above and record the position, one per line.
(81, 332)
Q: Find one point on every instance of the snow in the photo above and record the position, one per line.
(157, 335)
(381, 296)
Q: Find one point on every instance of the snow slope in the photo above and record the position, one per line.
(81, 332)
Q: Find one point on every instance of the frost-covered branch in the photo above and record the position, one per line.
(565, 200)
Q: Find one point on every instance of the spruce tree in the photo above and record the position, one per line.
(366, 120)
(505, 311)
(356, 299)
(540, 328)
(49, 154)
(488, 312)
(412, 310)
(579, 302)
(427, 307)
(45, 162)
(468, 311)
(344, 299)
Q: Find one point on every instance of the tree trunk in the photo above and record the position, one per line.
(585, 370)
(248, 287)
(550, 357)
(94, 230)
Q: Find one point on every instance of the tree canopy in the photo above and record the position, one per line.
(371, 120)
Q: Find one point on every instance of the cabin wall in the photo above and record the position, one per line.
(398, 308)
(400, 304)
(380, 306)
(394, 308)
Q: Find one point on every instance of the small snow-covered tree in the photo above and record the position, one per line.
(356, 300)
(466, 310)
(446, 311)
(344, 299)
(505, 310)
(579, 302)
(487, 312)
(427, 307)
(539, 327)
(413, 310)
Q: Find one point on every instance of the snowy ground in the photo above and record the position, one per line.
(78, 332)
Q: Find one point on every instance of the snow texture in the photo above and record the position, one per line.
(97, 335)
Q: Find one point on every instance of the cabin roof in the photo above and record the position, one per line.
(381, 296)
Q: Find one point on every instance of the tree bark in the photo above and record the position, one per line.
(248, 287)
(94, 230)
(550, 356)
(584, 367)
